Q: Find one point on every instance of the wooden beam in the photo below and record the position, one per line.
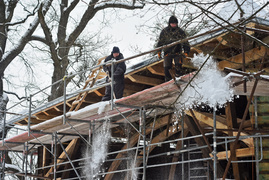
(144, 68)
(232, 123)
(66, 174)
(207, 118)
(251, 55)
(45, 158)
(200, 141)
(187, 63)
(47, 114)
(57, 109)
(44, 117)
(98, 93)
(157, 69)
(196, 50)
(132, 141)
(145, 80)
(69, 150)
(68, 104)
(251, 25)
(159, 138)
(222, 40)
(243, 152)
(176, 157)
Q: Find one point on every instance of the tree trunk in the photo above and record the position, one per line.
(57, 89)
(60, 67)
(3, 104)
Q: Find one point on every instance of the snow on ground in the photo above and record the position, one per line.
(209, 87)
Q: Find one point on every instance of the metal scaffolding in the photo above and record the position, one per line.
(141, 122)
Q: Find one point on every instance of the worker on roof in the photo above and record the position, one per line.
(118, 74)
(168, 35)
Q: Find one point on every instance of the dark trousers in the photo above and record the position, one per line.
(168, 64)
(118, 91)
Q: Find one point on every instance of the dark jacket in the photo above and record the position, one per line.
(119, 68)
(169, 35)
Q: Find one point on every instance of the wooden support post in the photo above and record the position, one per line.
(176, 156)
(168, 123)
(200, 141)
(232, 123)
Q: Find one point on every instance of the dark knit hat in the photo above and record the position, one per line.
(173, 19)
(115, 50)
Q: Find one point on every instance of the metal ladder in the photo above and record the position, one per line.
(95, 74)
(197, 170)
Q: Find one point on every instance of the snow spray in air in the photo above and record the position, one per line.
(96, 155)
(210, 86)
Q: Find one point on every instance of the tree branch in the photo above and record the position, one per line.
(20, 98)
(8, 57)
(48, 36)
(91, 11)
(11, 7)
(40, 39)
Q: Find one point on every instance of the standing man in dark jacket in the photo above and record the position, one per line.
(119, 70)
(169, 35)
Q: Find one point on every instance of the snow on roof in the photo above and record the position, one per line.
(130, 69)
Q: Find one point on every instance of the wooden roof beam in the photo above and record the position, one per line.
(243, 152)
(44, 117)
(251, 55)
(98, 93)
(222, 40)
(231, 118)
(132, 141)
(69, 150)
(131, 89)
(220, 124)
(158, 70)
(145, 80)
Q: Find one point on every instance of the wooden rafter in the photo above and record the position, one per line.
(98, 93)
(220, 124)
(69, 150)
(232, 123)
(243, 152)
(192, 127)
(145, 80)
(176, 157)
(250, 56)
(157, 69)
(133, 140)
(159, 138)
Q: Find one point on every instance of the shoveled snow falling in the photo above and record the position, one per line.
(210, 86)
(96, 156)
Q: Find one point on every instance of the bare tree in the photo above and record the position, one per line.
(67, 34)
(11, 20)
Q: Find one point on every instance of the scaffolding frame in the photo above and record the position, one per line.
(146, 145)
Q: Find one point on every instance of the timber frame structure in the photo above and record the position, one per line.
(148, 135)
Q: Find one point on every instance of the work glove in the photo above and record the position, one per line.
(185, 55)
(159, 54)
